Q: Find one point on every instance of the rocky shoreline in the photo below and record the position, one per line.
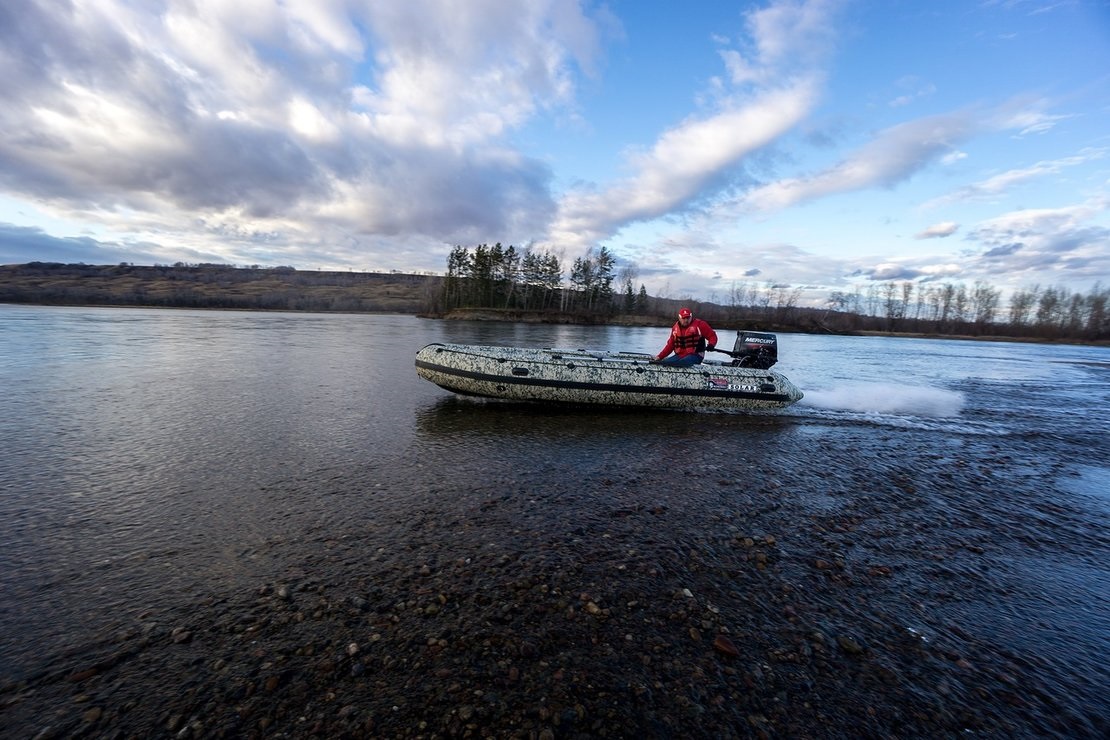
(526, 654)
(614, 609)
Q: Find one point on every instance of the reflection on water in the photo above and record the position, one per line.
(466, 418)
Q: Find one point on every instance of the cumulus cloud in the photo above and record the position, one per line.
(781, 36)
(1015, 248)
(921, 268)
(705, 263)
(1038, 243)
(938, 231)
(288, 118)
(893, 271)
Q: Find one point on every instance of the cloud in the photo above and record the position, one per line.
(688, 263)
(441, 79)
(1035, 123)
(772, 84)
(1004, 250)
(782, 36)
(893, 156)
(1005, 181)
(1065, 245)
(678, 169)
(16, 241)
(1046, 246)
(914, 89)
(939, 231)
(1040, 244)
(921, 268)
(893, 271)
(289, 119)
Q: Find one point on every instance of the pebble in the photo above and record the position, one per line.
(80, 676)
(723, 644)
(849, 645)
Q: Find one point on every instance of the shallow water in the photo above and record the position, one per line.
(150, 457)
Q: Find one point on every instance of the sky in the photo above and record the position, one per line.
(824, 145)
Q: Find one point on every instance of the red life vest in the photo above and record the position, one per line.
(692, 338)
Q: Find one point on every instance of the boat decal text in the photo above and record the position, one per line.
(724, 385)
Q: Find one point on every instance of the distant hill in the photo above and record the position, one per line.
(216, 286)
(288, 289)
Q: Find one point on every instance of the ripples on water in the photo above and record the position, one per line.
(150, 454)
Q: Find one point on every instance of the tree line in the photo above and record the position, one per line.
(532, 280)
(594, 291)
(1046, 312)
(507, 278)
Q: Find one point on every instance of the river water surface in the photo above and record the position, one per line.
(921, 544)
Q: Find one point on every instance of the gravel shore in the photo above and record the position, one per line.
(836, 599)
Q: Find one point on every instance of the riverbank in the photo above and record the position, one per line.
(216, 287)
(985, 338)
(225, 287)
(546, 317)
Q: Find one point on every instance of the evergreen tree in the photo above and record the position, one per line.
(605, 264)
(458, 269)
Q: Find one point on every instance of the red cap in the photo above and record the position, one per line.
(684, 313)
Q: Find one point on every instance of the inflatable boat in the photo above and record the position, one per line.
(592, 377)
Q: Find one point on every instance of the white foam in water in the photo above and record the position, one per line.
(887, 398)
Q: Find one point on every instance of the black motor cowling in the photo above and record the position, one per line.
(755, 349)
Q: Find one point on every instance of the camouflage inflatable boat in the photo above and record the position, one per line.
(611, 378)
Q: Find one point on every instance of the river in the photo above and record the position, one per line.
(266, 523)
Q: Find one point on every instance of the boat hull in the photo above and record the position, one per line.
(599, 378)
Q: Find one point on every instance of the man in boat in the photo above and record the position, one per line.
(689, 339)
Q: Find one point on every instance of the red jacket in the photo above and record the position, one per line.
(689, 340)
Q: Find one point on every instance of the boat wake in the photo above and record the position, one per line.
(886, 398)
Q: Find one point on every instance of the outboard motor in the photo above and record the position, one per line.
(755, 349)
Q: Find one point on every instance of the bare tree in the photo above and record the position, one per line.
(984, 303)
(907, 297)
(946, 299)
(1021, 304)
(1096, 313)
